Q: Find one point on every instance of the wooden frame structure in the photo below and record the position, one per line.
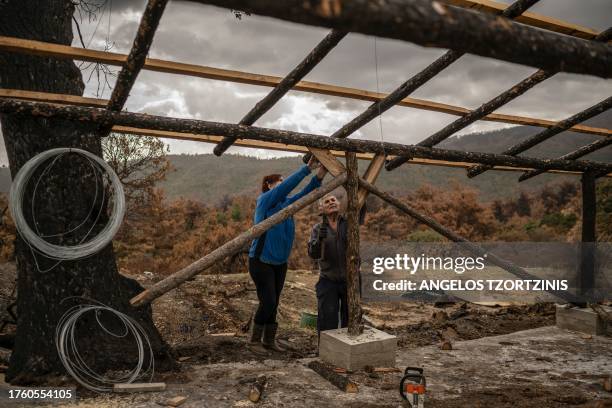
(578, 50)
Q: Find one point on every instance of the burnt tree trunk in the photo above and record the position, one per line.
(65, 196)
(355, 326)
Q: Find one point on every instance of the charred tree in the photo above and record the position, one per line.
(65, 197)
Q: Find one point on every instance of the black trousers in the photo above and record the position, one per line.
(269, 281)
(331, 301)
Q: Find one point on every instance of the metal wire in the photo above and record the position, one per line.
(85, 247)
(74, 363)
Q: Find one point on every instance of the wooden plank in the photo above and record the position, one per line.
(139, 387)
(529, 18)
(370, 175)
(52, 98)
(325, 157)
(200, 71)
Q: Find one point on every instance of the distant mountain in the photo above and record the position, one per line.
(209, 178)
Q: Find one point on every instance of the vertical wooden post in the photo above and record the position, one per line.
(587, 252)
(355, 327)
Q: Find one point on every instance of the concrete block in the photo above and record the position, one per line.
(371, 348)
(583, 320)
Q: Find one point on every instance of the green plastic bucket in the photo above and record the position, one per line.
(308, 320)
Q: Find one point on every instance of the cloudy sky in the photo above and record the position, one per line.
(198, 34)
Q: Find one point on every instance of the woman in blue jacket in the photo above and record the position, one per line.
(269, 253)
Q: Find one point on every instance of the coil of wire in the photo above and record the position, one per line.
(68, 252)
(74, 363)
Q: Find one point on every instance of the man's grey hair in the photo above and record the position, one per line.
(334, 194)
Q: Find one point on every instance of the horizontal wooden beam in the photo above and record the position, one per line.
(431, 24)
(583, 151)
(106, 117)
(529, 18)
(546, 134)
(205, 138)
(62, 51)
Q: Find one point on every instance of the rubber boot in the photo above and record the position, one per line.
(269, 338)
(256, 334)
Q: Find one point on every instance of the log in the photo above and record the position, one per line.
(102, 116)
(470, 246)
(589, 234)
(583, 151)
(490, 106)
(31, 47)
(312, 59)
(355, 324)
(257, 388)
(138, 54)
(233, 246)
(338, 380)
(432, 24)
(548, 133)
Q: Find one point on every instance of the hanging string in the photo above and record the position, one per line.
(380, 125)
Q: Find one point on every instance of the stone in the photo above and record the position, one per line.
(583, 320)
(371, 348)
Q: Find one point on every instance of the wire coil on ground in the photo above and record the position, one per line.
(70, 252)
(75, 364)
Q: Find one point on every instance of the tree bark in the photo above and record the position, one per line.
(153, 122)
(355, 326)
(65, 196)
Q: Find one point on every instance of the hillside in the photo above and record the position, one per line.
(208, 178)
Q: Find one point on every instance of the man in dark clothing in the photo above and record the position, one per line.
(327, 245)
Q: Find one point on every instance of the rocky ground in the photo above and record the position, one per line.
(503, 356)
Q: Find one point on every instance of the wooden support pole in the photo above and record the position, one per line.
(470, 246)
(583, 151)
(432, 24)
(548, 133)
(312, 59)
(130, 119)
(589, 234)
(233, 246)
(31, 47)
(355, 325)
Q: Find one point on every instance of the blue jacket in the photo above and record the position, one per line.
(279, 238)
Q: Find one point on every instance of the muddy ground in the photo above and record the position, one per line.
(205, 322)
